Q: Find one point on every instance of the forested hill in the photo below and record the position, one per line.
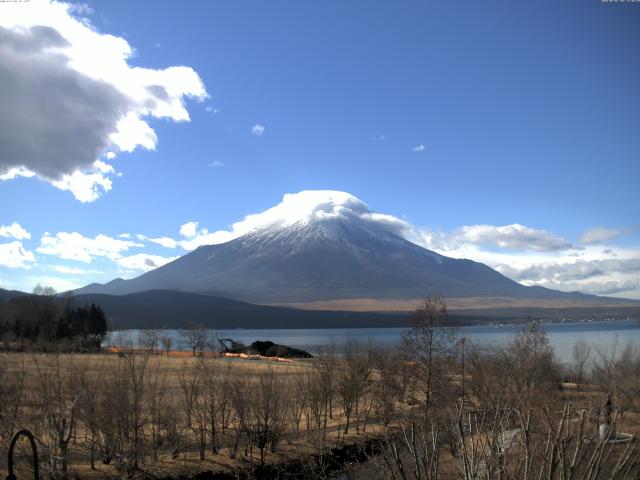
(173, 309)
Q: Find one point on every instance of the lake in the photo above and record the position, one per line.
(562, 336)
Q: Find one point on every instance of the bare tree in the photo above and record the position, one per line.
(353, 381)
(149, 340)
(241, 402)
(297, 400)
(158, 408)
(122, 412)
(316, 404)
(213, 398)
(522, 372)
(88, 386)
(225, 379)
(268, 411)
(190, 383)
(196, 338)
(430, 346)
(59, 410)
(386, 383)
(167, 343)
(581, 354)
(201, 412)
(530, 365)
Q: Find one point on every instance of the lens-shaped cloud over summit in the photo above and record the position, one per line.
(307, 206)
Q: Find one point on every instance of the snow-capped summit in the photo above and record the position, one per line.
(308, 207)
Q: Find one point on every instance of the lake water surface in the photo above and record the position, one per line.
(562, 336)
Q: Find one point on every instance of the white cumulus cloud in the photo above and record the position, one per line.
(14, 255)
(14, 230)
(71, 100)
(189, 229)
(75, 246)
(258, 129)
(418, 148)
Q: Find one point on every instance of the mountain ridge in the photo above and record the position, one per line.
(323, 260)
(320, 246)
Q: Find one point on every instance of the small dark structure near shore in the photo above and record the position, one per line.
(264, 348)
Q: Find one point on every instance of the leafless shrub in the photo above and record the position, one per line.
(121, 413)
(196, 338)
(581, 358)
(522, 372)
(190, 384)
(149, 340)
(353, 381)
(57, 403)
(167, 343)
(386, 383)
(88, 387)
(617, 371)
(267, 412)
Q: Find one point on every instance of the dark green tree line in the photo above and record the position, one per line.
(45, 318)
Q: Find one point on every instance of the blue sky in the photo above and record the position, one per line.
(461, 118)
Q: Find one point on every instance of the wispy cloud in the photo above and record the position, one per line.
(166, 242)
(258, 129)
(143, 262)
(597, 235)
(577, 270)
(418, 148)
(80, 9)
(72, 270)
(216, 163)
(513, 236)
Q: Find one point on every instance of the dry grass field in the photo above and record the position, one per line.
(177, 382)
(434, 408)
(458, 304)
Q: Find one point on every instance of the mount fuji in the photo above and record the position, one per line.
(319, 246)
(327, 250)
